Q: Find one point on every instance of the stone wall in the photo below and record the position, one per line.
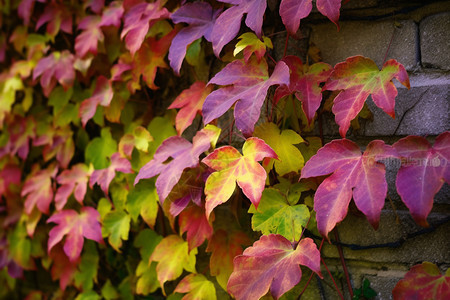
(417, 34)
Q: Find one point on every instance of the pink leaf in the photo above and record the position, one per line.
(72, 181)
(112, 15)
(58, 66)
(103, 177)
(38, 190)
(74, 226)
(57, 16)
(292, 11)
(330, 9)
(201, 17)
(25, 10)
(190, 101)
(57, 142)
(9, 174)
(102, 95)
(228, 23)
(95, 5)
(305, 83)
(353, 174)
(137, 23)
(357, 78)
(423, 172)
(183, 155)
(250, 82)
(21, 131)
(271, 264)
(86, 42)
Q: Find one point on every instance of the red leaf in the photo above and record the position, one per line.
(9, 174)
(229, 22)
(271, 264)
(193, 221)
(72, 181)
(232, 167)
(103, 177)
(249, 84)
(330, 9)
(190, 101)
(38, 190)
(57, 16)
(102, 95)
(150, 57)
(62, 268)
(112, 15)
(305, 83)
(225, 247)
(57, 142)
(423, 172)
(75, 226)
(201, 17)
(353, 174)
(95, 5)
(358, 77)
(58, 66)
(137, 22)
(423, 281)
(25, 10)
(21, 131)
(184, 155)
(87, 41)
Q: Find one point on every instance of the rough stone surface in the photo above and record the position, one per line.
(418, 111)
(354, 4)
(370, 39)
(435, 41)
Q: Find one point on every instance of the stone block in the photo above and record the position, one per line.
(435, 41)
(357, 4)
(418, 111)
(401, 242)
(370, 39)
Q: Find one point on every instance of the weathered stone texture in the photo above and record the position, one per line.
(435, 41)
(370, 39)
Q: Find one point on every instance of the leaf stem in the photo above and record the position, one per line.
(334, 282)
(344, 266)
(312, 273)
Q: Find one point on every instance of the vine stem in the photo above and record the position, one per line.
(334, 282)
(344, 266)
(389, 46)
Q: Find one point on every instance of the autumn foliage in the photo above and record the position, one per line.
(154, 148)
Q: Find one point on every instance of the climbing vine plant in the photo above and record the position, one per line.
(106, 191)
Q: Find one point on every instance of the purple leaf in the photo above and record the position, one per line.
(103, 177)
(291, 11)
(201, 17)
(250, 82)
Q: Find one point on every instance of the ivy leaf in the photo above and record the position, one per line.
(87, 41)
(292, 11)
(138, 138)
(353, 174)
(249, 83)
(201, 17)
(57, 142)
(112, 15)
(232, 167)
(57, 16)
(197, 287)
(58, 66)
(358, 77)
(103, 177)
(147, 282)
(116, 226)
(75, 226)
(193, 221)
(25, 9)
(422, 163)
(229, 22)
(21, 131)
(38, 190)
(151, 56)
(290, 158)
(138, 20)
(224, 247)
(102, 95)
(9, 174)
(305, 83)
(190, 101)
(100, 149)
(271, 264)
(173, 255)
(72, 181)
(143, 200)
(62, 268)
(95, 5)
(87, 273)
(276, 215)
(184, 155)
(423, 281)
(250, 43)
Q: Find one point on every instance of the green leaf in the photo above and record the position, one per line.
(87, 274)
(143, 200)
(89, 295)
(147, 282)
(20, 247)
(275, 215)
(100, 149)
(104, 207)
(116, 226)
(59, 98)
(290, 158)
(197, 287)
(108, 291)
